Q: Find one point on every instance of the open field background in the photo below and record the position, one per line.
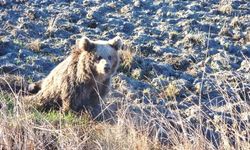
(183, 82)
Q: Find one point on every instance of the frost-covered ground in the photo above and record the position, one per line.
(189, 59)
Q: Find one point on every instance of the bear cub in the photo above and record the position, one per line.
(81, 80)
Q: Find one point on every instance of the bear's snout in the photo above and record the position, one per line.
(107, 68)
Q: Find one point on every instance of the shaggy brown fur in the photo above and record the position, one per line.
(76, 83)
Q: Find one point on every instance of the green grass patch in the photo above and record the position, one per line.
(55, 117)
(8, 101)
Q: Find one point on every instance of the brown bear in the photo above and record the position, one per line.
(81, 80)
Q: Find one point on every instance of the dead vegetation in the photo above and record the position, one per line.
(192, 39)
(135, 127)
(225, 7)
(126, 56)
(35, 45)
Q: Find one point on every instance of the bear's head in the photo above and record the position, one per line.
(105, 53)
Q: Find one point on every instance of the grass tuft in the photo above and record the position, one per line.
(225, 7)
(35, 45)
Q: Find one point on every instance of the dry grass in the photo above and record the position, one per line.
(192, 39)
(171, 91)
(52, 26)
(137, 126)
(123, 137)
(225, 31)
(22, 129)
(137, 73)
(247, 37)
(127, 56)
(235, 23)
(35, 45)
(225, 6)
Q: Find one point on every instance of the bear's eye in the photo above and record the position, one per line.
(99, 57)
(109, 57)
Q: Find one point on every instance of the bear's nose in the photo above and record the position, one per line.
(107, 68)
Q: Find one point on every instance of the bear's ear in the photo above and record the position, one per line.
(85, 44)
(116, 43)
